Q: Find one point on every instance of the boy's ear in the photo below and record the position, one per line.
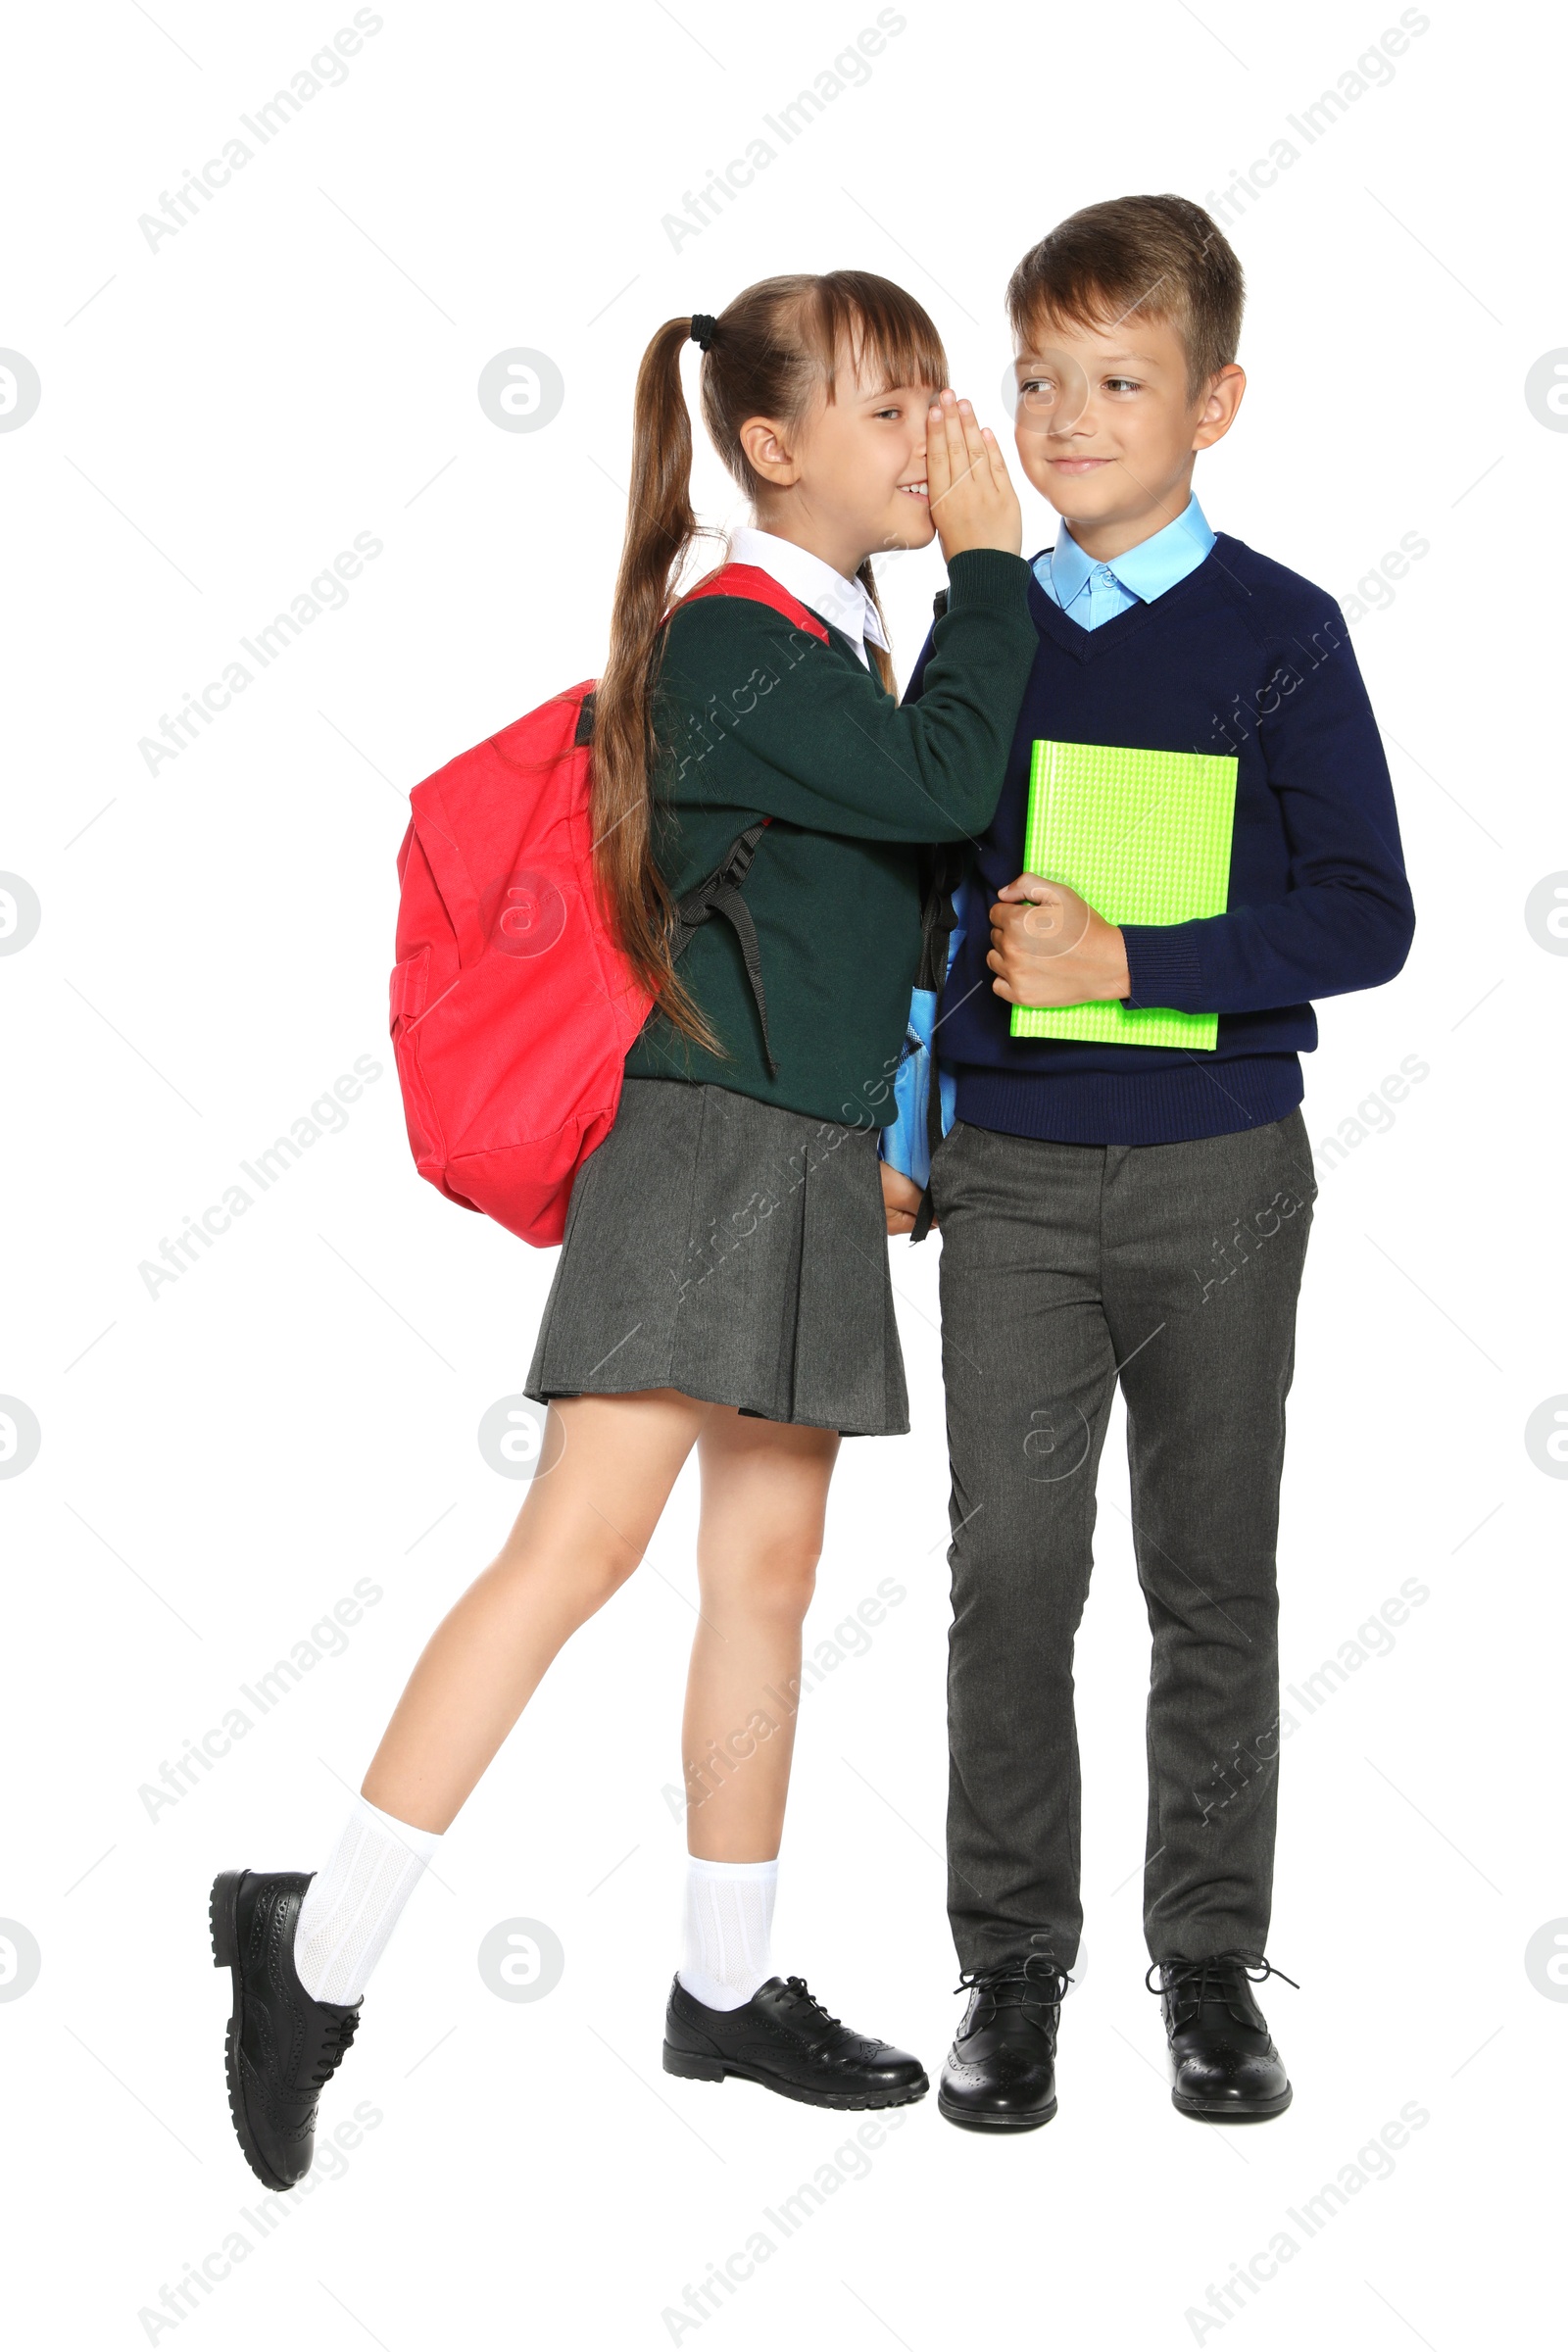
(1220, 404)
(762, 439)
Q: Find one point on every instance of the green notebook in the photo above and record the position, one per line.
(1146, 838)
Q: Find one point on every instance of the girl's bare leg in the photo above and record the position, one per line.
(764, 1507)
(606, 1473)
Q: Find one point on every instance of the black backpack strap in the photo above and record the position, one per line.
(933, 1137)
(940, 874)
(720, 894)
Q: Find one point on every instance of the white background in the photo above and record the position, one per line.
(220, 1463)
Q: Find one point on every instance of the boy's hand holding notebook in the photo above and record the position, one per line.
(1050, 948)
(1141, 837)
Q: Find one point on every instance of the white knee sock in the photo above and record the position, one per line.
(352, 1905)
(729, 1918)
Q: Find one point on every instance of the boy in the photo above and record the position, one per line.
(1133, 1214)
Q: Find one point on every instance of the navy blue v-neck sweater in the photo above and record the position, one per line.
(1241, 656)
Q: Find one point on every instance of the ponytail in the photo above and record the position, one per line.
(660, 526)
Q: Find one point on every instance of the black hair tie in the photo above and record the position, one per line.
(702, 330)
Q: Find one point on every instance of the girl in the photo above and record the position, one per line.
(724, 1280)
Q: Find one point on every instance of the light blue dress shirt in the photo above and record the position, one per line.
(1089, 592)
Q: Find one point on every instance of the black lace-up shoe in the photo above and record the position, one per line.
(785, 2039)
(1000, 2074)
(1224, 2066)
(282, 2046)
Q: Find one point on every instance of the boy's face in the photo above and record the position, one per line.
(1107, 429)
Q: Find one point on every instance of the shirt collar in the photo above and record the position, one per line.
(840, 602)
(1145, 571)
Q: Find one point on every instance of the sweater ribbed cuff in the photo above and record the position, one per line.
(1162, 967)
(987, 576)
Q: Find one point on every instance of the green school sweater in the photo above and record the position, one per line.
(754, 719)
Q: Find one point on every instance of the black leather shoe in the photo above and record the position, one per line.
(282, 2046)
(1224, 2066)
(785, 2039)
(1000, 2074)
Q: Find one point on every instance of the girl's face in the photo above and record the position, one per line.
(849, 480)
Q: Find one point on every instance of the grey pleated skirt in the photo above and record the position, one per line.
(733, 1250)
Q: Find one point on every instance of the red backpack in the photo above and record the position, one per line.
(512, 1007)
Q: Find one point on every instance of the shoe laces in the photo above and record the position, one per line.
(803, 1991)
(1206, 1979)
(336, 2036)
(1036, 1978)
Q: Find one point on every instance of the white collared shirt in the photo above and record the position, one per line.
(841, 603)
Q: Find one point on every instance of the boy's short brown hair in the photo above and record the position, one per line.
(1161, 256)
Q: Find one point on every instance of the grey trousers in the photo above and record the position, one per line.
(1173, 1268)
